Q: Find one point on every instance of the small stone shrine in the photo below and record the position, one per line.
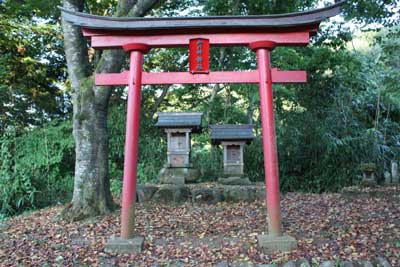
(178, 126)
(232, 138)
(368, 170)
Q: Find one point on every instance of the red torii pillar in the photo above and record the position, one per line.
(132, 138)
(263, 49)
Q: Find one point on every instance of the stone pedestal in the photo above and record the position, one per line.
(234, 181)
(125, 246)
(178, 150)
(178, 175)
(368, 170)
(144, 192)
(395, 172)
(170, 193)
(270, 244)
(368, 183)
(233, 158)
(388, 177)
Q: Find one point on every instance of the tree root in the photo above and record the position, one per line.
(73, 214)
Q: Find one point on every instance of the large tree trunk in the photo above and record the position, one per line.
(92, 194)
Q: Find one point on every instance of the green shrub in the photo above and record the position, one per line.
(206, 157)
(152, 148)
(36, 168)
(254, 160)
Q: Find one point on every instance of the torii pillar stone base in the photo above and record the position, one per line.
(121, 245)
(269, 244)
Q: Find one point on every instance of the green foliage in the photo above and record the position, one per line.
(372, 11)
(344, 116)
(347, 114)
(255, 7)
(36, 168)
(32, 66)
(152, 148)
(206, 158)
(31, 8)
(254, 160)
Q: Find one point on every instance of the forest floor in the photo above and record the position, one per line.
(327, 226)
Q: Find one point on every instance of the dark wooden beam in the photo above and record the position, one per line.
(262, 23)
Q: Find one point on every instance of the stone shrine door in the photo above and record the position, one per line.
(178, 147)
(233, 154)
(178, 141)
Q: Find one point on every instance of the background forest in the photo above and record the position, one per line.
(347, 114)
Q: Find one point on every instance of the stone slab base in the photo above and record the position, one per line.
(178, 175)
(125, 246)
(368, 183)
(201, 193)
(234, 181)
(269, 244)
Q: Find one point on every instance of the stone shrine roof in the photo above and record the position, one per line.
(180, 120)
(231, 132)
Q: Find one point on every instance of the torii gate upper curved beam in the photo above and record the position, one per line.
(289, 21)
(284, 29)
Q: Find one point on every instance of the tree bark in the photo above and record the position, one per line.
(250, 112)
(159, 100)
(92, 194)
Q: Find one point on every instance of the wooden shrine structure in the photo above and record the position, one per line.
(178, 126)
(137, 36)
(232, 138)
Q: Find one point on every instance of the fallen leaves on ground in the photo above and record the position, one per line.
(327, 226)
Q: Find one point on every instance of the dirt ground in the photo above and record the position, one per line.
(347, 226)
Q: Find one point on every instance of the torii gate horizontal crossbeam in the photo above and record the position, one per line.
(111, 40)
(154, 78)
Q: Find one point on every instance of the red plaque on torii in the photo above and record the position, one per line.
(260, 33)
(199, 56)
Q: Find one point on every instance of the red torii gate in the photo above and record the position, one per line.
(260, 33)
